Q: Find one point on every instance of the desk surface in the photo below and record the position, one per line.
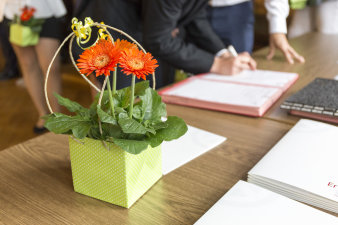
(36, 181)
(321, 57)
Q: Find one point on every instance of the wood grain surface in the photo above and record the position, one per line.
(36, 181)
(321, 55)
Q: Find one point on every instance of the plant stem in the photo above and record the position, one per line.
(114, 81)
(111, 99)
(132, 97)
(100, 100)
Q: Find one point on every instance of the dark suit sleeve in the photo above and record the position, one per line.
(200, 32)
(160, 18)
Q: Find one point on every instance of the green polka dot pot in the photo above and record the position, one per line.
(113, 175)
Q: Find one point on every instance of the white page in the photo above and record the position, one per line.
(226, 93)
(260, 77)
(191, 145)
(247, 203)
(306, 157)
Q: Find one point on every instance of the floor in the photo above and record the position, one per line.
(17, 113)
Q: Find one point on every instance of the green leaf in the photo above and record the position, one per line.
(94, 132)
(159, 125)
(120, 110)
(113, 131)
(130, 126)
(81, 130)
(137, 112)
(104, 101)
(132, 146)
(151, 130)
(62, 124)
(141, 87)
(55, 114)
(123, 115)
(176, 127)
(136, 137)
(123, 96)
(71, 105)
(152, 106)
(59, 124)
(105, 117)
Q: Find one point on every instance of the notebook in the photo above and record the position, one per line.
(303, 165)
(318, 100)
(249, 93)
(192, 144)
(247, 203)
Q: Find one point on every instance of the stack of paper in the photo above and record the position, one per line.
(303, 165)
(247, 203)
(191, 145)
(249, 93)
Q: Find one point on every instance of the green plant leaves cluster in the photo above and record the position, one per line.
(34, 23)
(131, 134)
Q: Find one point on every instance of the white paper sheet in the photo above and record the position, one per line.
(306, 158)
(247, 203)
(260, 77)
(226, 93)
(191, 145)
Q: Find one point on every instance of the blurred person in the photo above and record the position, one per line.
(34, 60)
(314, 15)
(178, 32)
(233, 21)
(11, 66)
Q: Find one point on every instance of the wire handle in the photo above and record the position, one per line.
(71, 36)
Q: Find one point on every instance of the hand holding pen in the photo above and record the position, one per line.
(231, 63)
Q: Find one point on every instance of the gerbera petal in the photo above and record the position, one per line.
(134, 61)
(101, 58)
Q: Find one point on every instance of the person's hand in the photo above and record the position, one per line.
(233, 65)
(279, 41)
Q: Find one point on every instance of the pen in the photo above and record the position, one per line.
(232, 50)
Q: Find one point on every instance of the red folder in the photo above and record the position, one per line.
(250, 93)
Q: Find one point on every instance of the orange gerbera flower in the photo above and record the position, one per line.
(134, 61)
(101, 58)
(124, 44)
(27, 13)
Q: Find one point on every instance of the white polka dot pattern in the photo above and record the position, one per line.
(114, 176)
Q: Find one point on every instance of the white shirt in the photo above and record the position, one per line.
(44, 8)
(220, 3)
(278, 10)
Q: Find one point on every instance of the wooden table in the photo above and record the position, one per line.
(36, 181)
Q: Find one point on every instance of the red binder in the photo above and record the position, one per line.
(250, 93)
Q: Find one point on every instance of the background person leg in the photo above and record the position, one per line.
(45, 50)
(33, 78)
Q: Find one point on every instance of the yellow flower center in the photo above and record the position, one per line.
(101, 61)
(136, 64)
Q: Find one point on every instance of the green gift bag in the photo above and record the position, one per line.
(23, 35)
(113, 175)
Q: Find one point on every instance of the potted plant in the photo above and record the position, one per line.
(25, 29)
(115, 145)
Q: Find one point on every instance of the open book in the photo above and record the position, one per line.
(249, 93)
(303, 165)
(247, 203)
